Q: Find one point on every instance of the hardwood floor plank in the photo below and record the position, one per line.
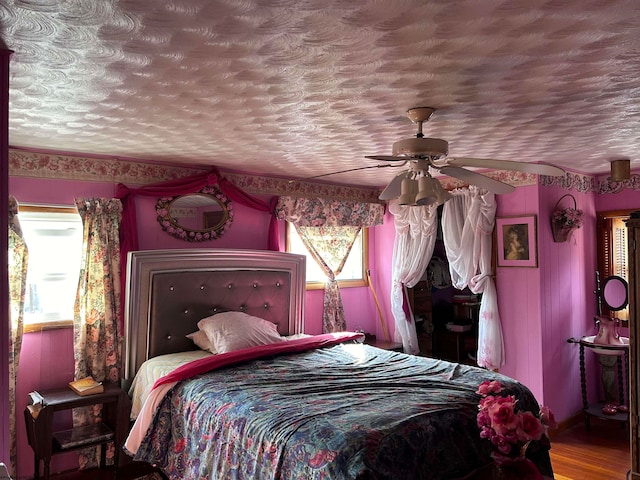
(601, 453)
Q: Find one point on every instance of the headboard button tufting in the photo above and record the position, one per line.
(255, 285)
(169, 337)
(278, 284)
(201, 287)
(186, 312)
(171, 288)
(230, 286)
(266, 305)
(243, 308)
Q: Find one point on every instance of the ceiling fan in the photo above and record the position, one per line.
(416, 186)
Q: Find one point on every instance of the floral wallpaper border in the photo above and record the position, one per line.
(587, 183)
(131, 172)
(23, 163)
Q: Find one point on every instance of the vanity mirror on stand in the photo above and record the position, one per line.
(612, 351)
(204, 215)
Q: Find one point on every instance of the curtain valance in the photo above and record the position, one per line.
(317, 212)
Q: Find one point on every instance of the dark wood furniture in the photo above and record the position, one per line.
(46, 442)
(621, 354)
(383, 344)
(633, 236)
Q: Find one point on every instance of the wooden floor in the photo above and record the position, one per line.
(602, 453)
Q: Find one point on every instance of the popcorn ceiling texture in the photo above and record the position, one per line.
(296, 88)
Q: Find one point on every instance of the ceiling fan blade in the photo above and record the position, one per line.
(477, 179)
(387, 158)
(342, 171)
(393, 190)
(537, 168)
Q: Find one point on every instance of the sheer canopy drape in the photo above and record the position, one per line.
(416, 229)
(17, 262)
(96, 326)
(467, 225)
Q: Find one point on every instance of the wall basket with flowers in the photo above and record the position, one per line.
(565, 220)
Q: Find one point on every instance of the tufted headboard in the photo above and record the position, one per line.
(169, 291)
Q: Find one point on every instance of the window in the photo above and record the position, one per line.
(354, 273)
(612, 250)
(54, 240)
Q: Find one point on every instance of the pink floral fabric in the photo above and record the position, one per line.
(18, 261)
(316, 212)
(328, 229)
(330, 246)
(97, 341)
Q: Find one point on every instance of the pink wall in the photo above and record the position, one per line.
(548, 305)
(520, 308)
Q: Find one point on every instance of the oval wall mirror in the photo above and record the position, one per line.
(204, 215)
(615, 293)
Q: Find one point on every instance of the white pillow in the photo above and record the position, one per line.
(201, 341)
(229, 331)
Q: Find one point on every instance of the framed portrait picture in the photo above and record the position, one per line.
(517, 245)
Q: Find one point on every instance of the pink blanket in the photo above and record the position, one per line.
(206, 364)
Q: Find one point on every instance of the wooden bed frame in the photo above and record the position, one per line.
(169, 291)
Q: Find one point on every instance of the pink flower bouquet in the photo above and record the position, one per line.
(510, 431)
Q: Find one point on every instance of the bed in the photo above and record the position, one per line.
(289, 407)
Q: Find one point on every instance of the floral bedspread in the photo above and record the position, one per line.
(345, 412)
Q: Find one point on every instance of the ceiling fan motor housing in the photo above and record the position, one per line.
(428, 148)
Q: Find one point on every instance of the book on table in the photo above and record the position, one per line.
(86, 386)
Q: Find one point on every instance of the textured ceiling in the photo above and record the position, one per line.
(295, 88)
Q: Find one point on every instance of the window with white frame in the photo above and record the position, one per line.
(54, 241)
(354, 272)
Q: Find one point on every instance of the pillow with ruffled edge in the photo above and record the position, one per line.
(201, 341)
(229, 331)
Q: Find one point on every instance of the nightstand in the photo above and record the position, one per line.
(46, 442)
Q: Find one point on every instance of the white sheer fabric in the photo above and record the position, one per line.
(467, 226)
(416, 229)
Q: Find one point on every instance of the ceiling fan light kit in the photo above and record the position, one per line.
(408, 191)
(620, 170)
(426, 193)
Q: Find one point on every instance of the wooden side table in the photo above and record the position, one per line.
(46, 442)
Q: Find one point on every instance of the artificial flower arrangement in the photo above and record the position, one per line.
(568, 217)
(511, 431)
(565, 220)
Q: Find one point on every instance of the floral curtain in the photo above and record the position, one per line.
(416, 230)
(18, 260)
(97, 340)
(330, 246)
(467, 226)
(316, 212)
(328, 228)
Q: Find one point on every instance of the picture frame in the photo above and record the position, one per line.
(517, 241)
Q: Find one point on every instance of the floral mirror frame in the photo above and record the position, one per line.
(196, 217)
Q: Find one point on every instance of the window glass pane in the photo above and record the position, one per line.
(54, 241)
(353, 267)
